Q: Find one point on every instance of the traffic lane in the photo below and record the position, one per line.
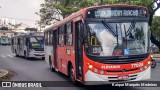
(29, 70)
(155, 73)
(23, 75)
(38, 70)
(54, 76)
(5, 50)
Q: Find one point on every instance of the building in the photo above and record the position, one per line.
(7, 23)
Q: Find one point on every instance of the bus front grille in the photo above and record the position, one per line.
(121, 70)
(119, 59)
(39, 49)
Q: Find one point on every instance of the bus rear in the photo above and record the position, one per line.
(116, 45)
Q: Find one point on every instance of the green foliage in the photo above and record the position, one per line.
(156, 27)
(54, 10)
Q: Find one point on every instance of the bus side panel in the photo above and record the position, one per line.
(68, 56)
(48, 53)
(60, 57)
(12, 45)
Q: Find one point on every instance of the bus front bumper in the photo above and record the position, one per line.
(37, 54)
(92, 78)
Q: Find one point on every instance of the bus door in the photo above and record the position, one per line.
(18, 46)
(27, 44)
(12, 45)
(21, 46)
(54, 41)
(78, 50)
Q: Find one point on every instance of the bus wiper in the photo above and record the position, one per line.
(132, 26)
(109, 27)
(37, 40)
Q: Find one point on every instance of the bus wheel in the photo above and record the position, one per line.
(51, 66)
(26, 57)
(153, 65)
(43, 58)
(71, 75)
(16, 53)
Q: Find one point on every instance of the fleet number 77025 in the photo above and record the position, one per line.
(136, 65)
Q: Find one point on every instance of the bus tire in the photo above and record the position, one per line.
(43, 58)
(16, 53)
(25, 56)
(153, 65)
(71, 74)
(50, 65)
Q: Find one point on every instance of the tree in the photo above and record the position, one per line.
(55, 10)
(152, 12)
(156, 27)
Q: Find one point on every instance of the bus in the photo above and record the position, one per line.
(28, 45)
(101, 45)
(5, 40)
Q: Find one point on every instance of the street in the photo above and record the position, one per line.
(38, 70)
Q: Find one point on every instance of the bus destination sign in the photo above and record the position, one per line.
(116, 12)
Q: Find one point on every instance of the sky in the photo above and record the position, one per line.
(24, 10)
(157, 12)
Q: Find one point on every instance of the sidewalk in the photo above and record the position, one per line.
(3, 74)
(156, 57)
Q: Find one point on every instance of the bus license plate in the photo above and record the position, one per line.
(123, 77)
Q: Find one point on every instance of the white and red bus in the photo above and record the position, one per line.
(103, 44)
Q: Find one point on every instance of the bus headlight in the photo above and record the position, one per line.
(145, 67)
(151, 56)
(90, 66)
(149, 62)
(31, 50)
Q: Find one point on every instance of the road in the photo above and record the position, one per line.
(38, 70)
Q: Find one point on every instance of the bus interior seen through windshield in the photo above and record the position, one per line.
(37, 42)
(117, 38)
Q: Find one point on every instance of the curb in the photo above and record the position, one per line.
(3, 74)
(158, 61)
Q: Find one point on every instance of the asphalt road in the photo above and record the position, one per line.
(38, 70)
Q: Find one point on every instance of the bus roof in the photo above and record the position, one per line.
(83, 13)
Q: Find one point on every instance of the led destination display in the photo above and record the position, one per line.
(116, 12)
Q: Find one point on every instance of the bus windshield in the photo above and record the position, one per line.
(117, 39)
(4, 39)
(37, 41)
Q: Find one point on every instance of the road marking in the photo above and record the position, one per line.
(3, 56)
(10, 56)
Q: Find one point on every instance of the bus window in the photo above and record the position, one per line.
(50, 38)
(61, 33)
(12, 41)
(46, 36)
(27, 42)
(18, 41)
(69, 34)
